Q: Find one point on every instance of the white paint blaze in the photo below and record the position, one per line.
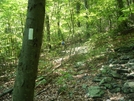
(30, 35)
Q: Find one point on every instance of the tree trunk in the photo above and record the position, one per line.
(29, 57)
(78, 6)
(48, 32)
(86, 3)
(78, 12)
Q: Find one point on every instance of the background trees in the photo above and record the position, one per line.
(12, 18)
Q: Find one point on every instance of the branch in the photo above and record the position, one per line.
(6, 92)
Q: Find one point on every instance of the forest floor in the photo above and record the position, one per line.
(70, 77)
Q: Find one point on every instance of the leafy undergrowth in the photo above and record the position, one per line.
(66, 78)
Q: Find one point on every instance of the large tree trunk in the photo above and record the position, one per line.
(29, 57)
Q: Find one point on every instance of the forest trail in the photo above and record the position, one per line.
(70, 52)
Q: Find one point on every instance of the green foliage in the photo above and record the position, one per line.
(12, 17)
(41, 81)
(62, 79)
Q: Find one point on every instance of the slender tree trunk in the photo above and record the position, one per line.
(110, 23)
(99, 25)
(78, 12)
(86, 3)
(78, 5)
(48, 31)
(29, 57)
(60, 35)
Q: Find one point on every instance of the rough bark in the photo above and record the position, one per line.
(29, 57)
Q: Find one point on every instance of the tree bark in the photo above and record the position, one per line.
(29, 57)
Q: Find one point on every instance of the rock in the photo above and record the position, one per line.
(106, 80)
(95, 92)
(106, 85)
(115, 62)
(125, 57)
(111, 61)
(115, 75)
(129, 84)
(115, 90)
(130, 76)
(128, 87)
(124, 49)
(108, 100)
(96, 79)
(122, 61)
(121, 71)
(131, 61)
(78, 64)
(112, 65)
(130, 65)
(115, 87)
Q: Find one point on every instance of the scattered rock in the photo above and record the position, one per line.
(115, 76)
(95, 92)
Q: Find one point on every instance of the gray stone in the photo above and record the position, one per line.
(115, 90)
(120, 71)
(131, 61)
(106, 80)
(78, 64)
(122, 61)
(95, 92)
(124, 57)
(105, 69)
(114, 74)
(130, 76)
(96, 79)
(106, 85)
(115, 62)
(129, 84)
(128, 87)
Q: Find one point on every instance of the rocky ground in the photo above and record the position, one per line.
(112, 81)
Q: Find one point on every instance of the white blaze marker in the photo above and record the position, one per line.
(30, 34)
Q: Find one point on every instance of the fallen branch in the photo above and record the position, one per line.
(6, 92)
